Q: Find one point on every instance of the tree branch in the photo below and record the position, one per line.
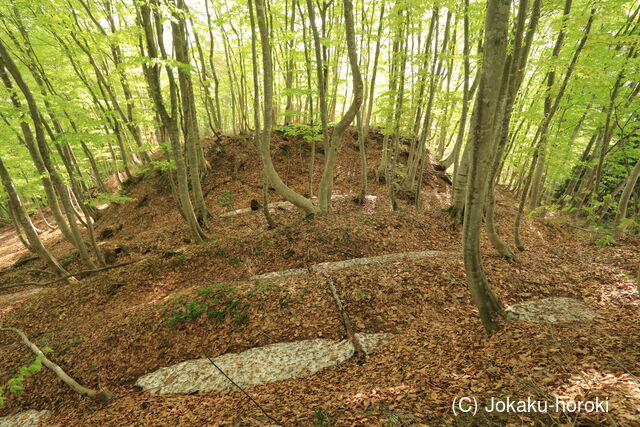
(66, 276)
(101, 396)
(359, 351)
(245, 393)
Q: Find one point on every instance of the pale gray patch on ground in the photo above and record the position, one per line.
(285, 205)
(370, 202)
(260, 365)
(338, 265)
(369, 205)
(551, 310)
(5, 299)
(30, 418)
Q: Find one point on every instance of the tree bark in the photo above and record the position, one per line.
(326, 182)
(632, 179)
(483, 146)
(265, 152)
(21, 217)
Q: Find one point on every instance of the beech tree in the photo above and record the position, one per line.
(483, 142)
(526, 99)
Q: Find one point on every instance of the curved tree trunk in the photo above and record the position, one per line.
(483, 147)
(626, 194)
(21, 217)
(152, 76)
(265, 152)
(57, 182)
(256, 118)
(190, 125)
(326, 182)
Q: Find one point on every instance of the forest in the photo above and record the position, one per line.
(319, 212)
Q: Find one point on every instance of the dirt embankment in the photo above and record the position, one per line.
(111, 328)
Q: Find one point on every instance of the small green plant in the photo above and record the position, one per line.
(284, 300)
(106, 198)
(178, 261)
(322, 418)
(185, 312)
(288, 298)
(262, 286)
(220, 301)
(288, 253)
(309, 133)
(394, 420)
(606, 240)
(213, 253)
(360, 294)
(226, 199)
(223, 301)
(15, 384)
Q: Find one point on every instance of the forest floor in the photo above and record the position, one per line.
(111, 328)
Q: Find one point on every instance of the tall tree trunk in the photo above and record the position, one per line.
(544, 128)
(326, 182)
(632, 179)
(321, 72)
(514, 71)
(483, 142)
(374, 73)
(56, 181)
(190, 126)
(170, 122)
(265, 152)
(256, 118)
(550, 79)
(35, 244)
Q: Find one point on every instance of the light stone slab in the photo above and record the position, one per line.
(551, 310)
(260, 365)
(29, 418)
(338, 265)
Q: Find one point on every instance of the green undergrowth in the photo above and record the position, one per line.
(220, 302)
(15, 383)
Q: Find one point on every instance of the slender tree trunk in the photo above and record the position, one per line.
(536, 186)
(152, 75)
(21, 217)
(483, 142)
(374, 73)
(632, 179)
(256, 118)
(514, 71)
(320, 70)
(187, 97)
(44, 152)
(544, 128)
(326, 182)
(265, 152)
